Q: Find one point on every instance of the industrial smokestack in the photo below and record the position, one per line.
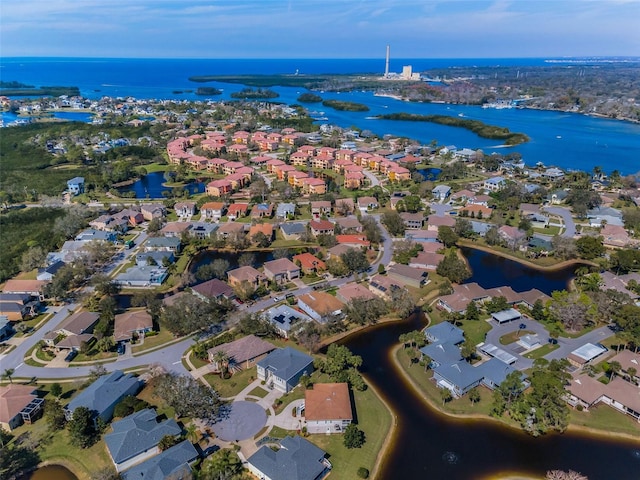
(386, 65)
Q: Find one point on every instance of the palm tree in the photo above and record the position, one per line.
(8, 373)
(614, 368)
(191, 432)
(221, 360)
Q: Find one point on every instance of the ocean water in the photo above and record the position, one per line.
(569, 141)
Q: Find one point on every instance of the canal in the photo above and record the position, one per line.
(430, 445)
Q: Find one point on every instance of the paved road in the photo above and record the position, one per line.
(569, 225)
(493, 336)
(568, 345)
(372, 178)
(439, 209)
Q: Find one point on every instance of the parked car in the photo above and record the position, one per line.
(71, 355)
(121, 348)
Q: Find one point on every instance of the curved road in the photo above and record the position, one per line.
(569, 224)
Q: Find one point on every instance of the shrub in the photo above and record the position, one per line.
(363, 472)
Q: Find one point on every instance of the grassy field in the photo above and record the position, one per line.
(606, 419)
(258, 392)
(542, 351)
(161, 338)
(514, 336)
(375, 421)
(232, 386)
(475, 330)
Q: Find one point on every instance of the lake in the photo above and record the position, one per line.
(151, 186)
(51, 472)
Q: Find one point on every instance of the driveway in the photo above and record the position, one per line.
(439, 209)
(568, 345)
(569, 224)
(493, 336)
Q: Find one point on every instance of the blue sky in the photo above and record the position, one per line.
(319, 28)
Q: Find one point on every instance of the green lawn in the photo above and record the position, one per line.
(475, 331)
(513, 336)
(161, 338)
(232, 386)
(542, 351)
(375, 421)
(606, 419)
(258, 392)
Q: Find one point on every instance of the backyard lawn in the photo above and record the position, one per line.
(161, 338)
(232, 386)
(606, 419)
(542, 351)
(375, 421)
(475, 331)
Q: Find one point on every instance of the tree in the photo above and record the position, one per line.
(97, 372)
(590, 247)
(394, 223)
(8, 374)
(472, 312)
(355, 259)
(564, 248)
(187, 396)
(453, 268)
(353, 436)
(256, 324)
(492, 236)
(474, 395)
(507, 393)
(129, 405)
(561, 475)
(221, 360)
(447, 236)
(33, 258)
(54, 414)
(168, 441)
(244, 290)
(15, 460)
(371, 229)
(467, 350)
(614, 369)
(538, 312)
(190, 314)
(497, 304)
(364, 311)
(463, 228)
(309, 336)
(222, 465)
(154, 225)
(56, 390)
(336, 267)
(81, 428)
(342, 366)
(445, 395)
(402, 302)
(246, 259)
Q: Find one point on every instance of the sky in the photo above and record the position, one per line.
(319, 28)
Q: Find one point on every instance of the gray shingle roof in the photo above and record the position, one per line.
(136, 433)
(297, 459)
(445, 332)
(172, 462)
(286, 362)
(104, 392)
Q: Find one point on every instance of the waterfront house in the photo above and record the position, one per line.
(494, 184)
(285, 318)
(18, 404)
(281, 270)
(320, 305)
(309, 263)
(283, 368)
(383, 286)
(163, 244)
(444, 332)
(327, 408)
(245, 274)
(618, 394)
(142, 276)
(173, 463)
(214, 289)
(293, 230)
(427, 260)
(296, 459)
(350, 291)
(411, 276)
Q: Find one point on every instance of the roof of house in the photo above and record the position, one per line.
(245, 273)
(586, 388)
(506, 315)
(460, 374)
(127, 322)
(627, 359)
(156, 242)
(348, 222)
(588, 351)
(19, 286)
(74, 341)
(280, 266)
(79, 322)
(137, 433)
(321, 225)
(213, 288)
(265, 228)
(294, 228)
(172, 463)
(286, 362)
(231, 227)
(309, 261)
(328, 401)
(175, 227)
(106, 390)
(13, 398)
(442, 352)
(445, 332)
(297, 459)
(322, 303)
(243, 349)
(405, 271)
(212, 206)
(354, 290)
(495, 370)
(236, 208)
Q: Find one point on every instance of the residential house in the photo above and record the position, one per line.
(143, 276)
(618, 393)
(350, 291)
(6, 330)
(47, 273)
(285, 210)
(353, 240)
(461, 297)
(586, 354)
(283, 368)
(349, 224)
(296, 459)
(293, 230)
(104, 394)
(18, 404)
(427, 260)
(553, 174)
(241, 353)
(171, 464)
(163, 244)
(383, 286)
(136, 437)
(245, 274)
(320, 209)
(441, 192)
(344, 206)
(26, 287)
(615, 236)
(320, 306)
(309, 264)
(321, 227)
(130, 324)
(314, 186)
(75, 186)
(412, 221)
(219, 188)
(327, 408)
(494, 184)
(78, 323)
(230, 229)
(265, 229)
(175, 229)
(185, 209)
(513, 236)
(213, 289)
(16, 306)
(557, 197)
(262, 210)
(237, 210)
(444, 332)
(202, 230)
(408, 276)
(281, 270)
(366, 204)
(285, 319)
(434, 222)
(474, 210)
(152, 210)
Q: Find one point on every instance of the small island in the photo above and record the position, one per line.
(208, 91)
(257, 94)
(309, 98)
(476, 126)
(18, 89)
(346, 106)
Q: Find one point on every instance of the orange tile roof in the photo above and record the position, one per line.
(328, 401)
